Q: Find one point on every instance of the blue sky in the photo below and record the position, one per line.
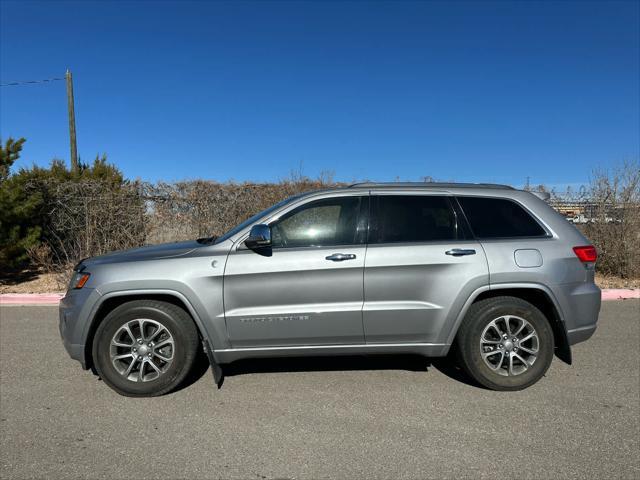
(474, 91)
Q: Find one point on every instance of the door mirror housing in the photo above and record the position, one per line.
(259, 237)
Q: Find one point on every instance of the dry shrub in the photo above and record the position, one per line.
(84, 218)
(41, 257)
(87, 218)
(199, 208)
(615, 226)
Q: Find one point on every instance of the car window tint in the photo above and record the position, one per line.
(499, 218)
(413, 218)
(331, 221)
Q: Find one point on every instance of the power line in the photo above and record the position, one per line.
(70, 106)
(29, 82)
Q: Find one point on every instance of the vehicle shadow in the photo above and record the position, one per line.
(411, 363)
(200, 367)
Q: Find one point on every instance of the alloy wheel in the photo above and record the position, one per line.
(509, 345)
(142, 350)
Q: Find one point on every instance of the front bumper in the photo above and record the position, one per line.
(74, 315)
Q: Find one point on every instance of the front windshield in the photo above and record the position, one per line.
(251, 220)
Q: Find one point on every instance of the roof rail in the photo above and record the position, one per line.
(431, 184)
(542, 195)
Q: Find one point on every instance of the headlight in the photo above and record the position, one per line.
(78, 280)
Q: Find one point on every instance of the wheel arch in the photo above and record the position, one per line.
(114, 299)
(539, 296)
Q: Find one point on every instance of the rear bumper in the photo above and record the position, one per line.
(580, 304)
(581, 334)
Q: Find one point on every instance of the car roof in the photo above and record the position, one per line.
(482, 189)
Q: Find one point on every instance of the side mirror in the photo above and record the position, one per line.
(259, 237)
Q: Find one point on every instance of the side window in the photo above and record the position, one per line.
(412, 218)
(499, 218)
(332, 221)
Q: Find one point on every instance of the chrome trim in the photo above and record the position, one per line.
(320, 347)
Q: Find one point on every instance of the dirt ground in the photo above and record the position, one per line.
(37, 282)
(616, 282)
(29, 281)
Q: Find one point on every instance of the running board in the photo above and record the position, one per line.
(229, 355)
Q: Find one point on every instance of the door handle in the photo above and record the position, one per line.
(460, 252)
(341, 257)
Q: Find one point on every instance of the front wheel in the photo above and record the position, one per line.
(505, 343)
(145, 348)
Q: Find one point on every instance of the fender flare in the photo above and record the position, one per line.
(563, 348)
(91, 325)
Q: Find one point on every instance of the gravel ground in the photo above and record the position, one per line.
(359, 417)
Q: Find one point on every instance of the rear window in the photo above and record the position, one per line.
(407, 218)
(499, 218)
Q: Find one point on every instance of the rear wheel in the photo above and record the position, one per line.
(145, 348)
(505, 343)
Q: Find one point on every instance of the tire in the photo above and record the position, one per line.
(173, 349)
(509, 365)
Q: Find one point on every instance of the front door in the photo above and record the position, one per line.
(420, 267)
(309, 291)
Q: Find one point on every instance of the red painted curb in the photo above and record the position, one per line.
(30, 298)
(54, 298)
(619, 294)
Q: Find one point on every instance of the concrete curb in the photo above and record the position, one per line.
(54, 298)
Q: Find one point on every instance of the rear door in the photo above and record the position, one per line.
(309, 290)
(421, 267)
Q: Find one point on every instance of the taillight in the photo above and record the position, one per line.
(586, 254)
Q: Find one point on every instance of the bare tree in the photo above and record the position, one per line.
(615, 225)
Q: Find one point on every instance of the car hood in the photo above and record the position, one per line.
(152, 252)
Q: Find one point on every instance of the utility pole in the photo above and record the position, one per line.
(72, 122)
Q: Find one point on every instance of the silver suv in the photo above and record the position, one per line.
(491, 273)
